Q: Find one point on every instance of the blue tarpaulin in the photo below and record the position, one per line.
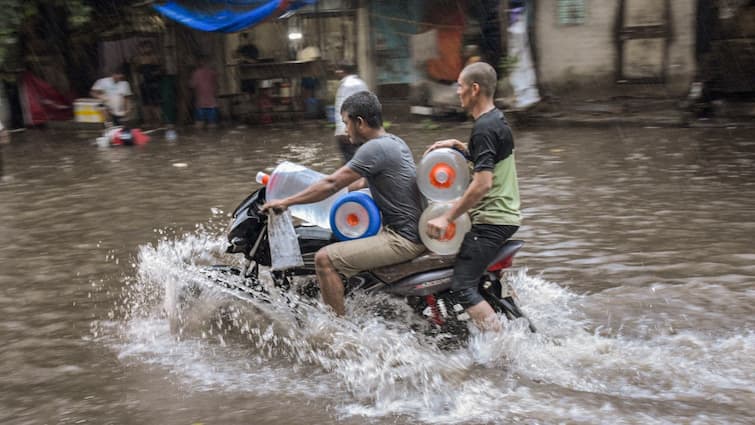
(229, 15)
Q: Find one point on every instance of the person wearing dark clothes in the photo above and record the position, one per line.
(146, 63)
(247, 53)
(492, 198)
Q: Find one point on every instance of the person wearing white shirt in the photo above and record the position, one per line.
(350, 84)
(115, 92)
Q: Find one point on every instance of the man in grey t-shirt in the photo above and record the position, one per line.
(385, 164)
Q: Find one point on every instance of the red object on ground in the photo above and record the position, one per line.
(41, 102)
(137, 136)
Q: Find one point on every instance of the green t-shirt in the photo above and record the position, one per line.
(491, 147)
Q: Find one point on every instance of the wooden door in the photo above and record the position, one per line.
(643, 36)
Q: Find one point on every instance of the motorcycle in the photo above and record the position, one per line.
(424, 282)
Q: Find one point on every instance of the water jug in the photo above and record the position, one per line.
(126, 137)
(289, 179)
(170, 135)
(103, 142)
(355, 216)
(442, 175)
(451, 241)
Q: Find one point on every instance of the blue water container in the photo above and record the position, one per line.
(355, 216)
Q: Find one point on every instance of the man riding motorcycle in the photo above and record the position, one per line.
(385, 164)
(492, 197)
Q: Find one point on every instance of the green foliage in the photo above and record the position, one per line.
(16, 12)
(79, 13)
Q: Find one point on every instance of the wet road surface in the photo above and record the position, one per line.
(638, 270)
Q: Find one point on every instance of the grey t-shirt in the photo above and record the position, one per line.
(388, 165)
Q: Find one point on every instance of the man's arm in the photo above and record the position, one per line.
(97, 91)
(127, 96)
(359, 184)
(481, 183)
(448, 143)
(318, 191)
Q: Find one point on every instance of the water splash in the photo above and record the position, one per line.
(377, 365)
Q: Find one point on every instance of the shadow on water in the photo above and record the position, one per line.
(637, 271)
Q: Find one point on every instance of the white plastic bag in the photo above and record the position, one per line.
(284, 245)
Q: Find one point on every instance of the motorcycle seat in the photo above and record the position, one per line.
(425, 262)
(507, 250)
(430, 261)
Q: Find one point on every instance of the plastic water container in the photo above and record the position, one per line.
(126, 137)
(451, 241)
(355, 216)
(88, 110)
(289, 179)
(330, 113)
(170, 135)
(103, 142)
(442, 175)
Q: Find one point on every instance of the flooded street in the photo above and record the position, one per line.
(638, 271)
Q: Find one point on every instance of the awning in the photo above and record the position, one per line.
(227, 15)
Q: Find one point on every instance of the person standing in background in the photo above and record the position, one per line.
(147, 65)
(115, 92)
(350, 84)
(247, 52)
(204, 81)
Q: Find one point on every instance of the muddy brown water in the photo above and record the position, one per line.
(638, 270)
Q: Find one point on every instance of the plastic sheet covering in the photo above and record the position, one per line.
(226, 15)
(285, 252)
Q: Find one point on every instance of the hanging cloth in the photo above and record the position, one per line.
(232, 16)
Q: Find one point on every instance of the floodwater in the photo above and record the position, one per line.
(638, 271)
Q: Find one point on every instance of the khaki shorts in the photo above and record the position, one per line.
(383, 249)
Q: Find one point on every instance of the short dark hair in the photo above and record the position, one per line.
(483, 74)
(366, 105)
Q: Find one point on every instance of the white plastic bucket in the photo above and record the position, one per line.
(88, 110)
